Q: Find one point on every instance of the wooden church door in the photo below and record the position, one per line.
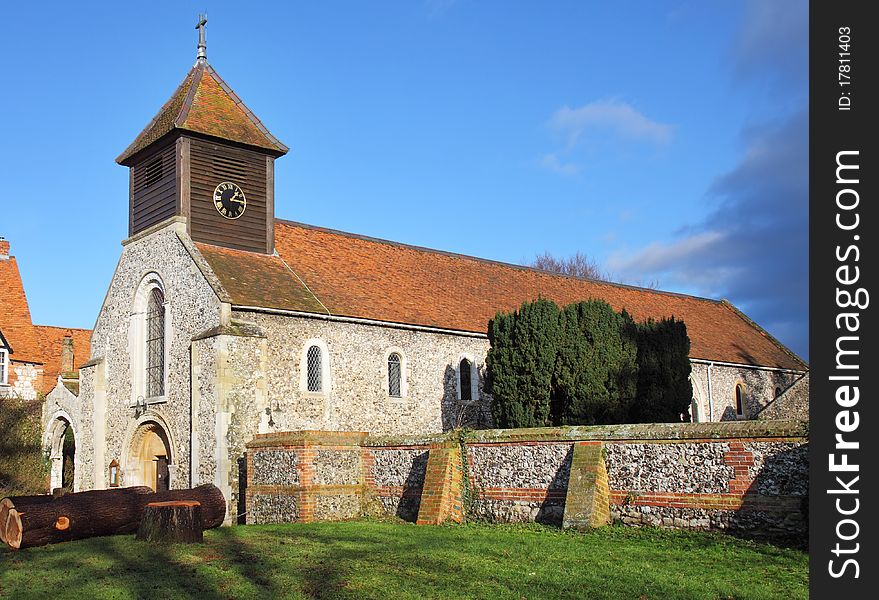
(162, 474)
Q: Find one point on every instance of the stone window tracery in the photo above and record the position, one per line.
(155, 344)
(149, 340)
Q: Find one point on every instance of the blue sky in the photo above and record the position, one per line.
(668, 140)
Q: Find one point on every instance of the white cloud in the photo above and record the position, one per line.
(613, 115)
(658, 258)
(552, 162)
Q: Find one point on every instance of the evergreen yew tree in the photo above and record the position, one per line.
(595, 370)
(664, 387)
(520, 364)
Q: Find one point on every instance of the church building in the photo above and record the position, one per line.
(222, 321)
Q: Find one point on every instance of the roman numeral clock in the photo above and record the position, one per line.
(207, 158)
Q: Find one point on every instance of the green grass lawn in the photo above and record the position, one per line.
(369, 559)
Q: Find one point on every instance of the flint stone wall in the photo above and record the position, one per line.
(759, 385)
(337, 467)
(396, 480)
(780, 468)
(693, 468)
(275, 467)
(356, 396)
(515, 483)
(272, 508)
(750, 478)
(399, 467)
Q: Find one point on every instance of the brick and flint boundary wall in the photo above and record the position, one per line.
(747, 477)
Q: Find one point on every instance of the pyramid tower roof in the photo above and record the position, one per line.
(204, 104)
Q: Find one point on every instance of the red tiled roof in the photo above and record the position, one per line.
(15, 316)
(51, 340)
(204, 104)
(355, 276)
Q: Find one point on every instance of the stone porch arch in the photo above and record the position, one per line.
(148, 457)
(53, 446)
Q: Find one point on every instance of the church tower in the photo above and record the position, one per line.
(207, 158)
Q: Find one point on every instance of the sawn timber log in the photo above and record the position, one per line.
(98, 512)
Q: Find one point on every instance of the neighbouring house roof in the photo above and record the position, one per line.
(51, 340)
(204, 104)
(15, 316)
(343, 274)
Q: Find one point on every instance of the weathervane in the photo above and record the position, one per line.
(202, 55)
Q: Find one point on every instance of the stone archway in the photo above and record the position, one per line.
(149, 457)
(61, 446)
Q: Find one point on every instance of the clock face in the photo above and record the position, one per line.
(229, 200)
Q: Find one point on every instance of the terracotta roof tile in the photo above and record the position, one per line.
(362, 277)
(204, 104)
(51, 340)
(259, 279)
(15, 316)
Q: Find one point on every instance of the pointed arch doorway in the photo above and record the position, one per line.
(61, 448)
(149, 457)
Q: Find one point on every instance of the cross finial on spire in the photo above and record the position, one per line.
(202, 55)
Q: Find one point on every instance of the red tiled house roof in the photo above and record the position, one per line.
(15, 316)
(354, 276)
(204, 104)
(51, 340)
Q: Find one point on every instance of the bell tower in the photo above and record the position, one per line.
(206, 157)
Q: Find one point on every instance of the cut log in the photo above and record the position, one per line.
(9, 503)
(89, 514)
(98, 512)
(174, 521)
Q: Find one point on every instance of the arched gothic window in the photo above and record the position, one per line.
(465, 382)
(315, 369)
(740, 400)
(155, 344)
(394, 376)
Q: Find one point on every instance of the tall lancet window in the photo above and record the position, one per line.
(155, 344)
(465, 380)
(315, 374)
(394, 376)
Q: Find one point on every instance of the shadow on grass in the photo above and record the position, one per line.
(393, 560)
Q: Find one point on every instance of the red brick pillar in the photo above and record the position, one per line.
(587, 503)
(442, 496)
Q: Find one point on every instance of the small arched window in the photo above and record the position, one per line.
(777, 392)
(465, 380)
(315, 369)
(740, 400)
(155, 344)
(395, 376)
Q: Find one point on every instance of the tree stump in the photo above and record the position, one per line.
(173, 521)
(28, 521)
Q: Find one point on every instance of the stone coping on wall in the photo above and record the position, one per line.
(307, 438)
(396, 441)
(628, 432)
(645, 432)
